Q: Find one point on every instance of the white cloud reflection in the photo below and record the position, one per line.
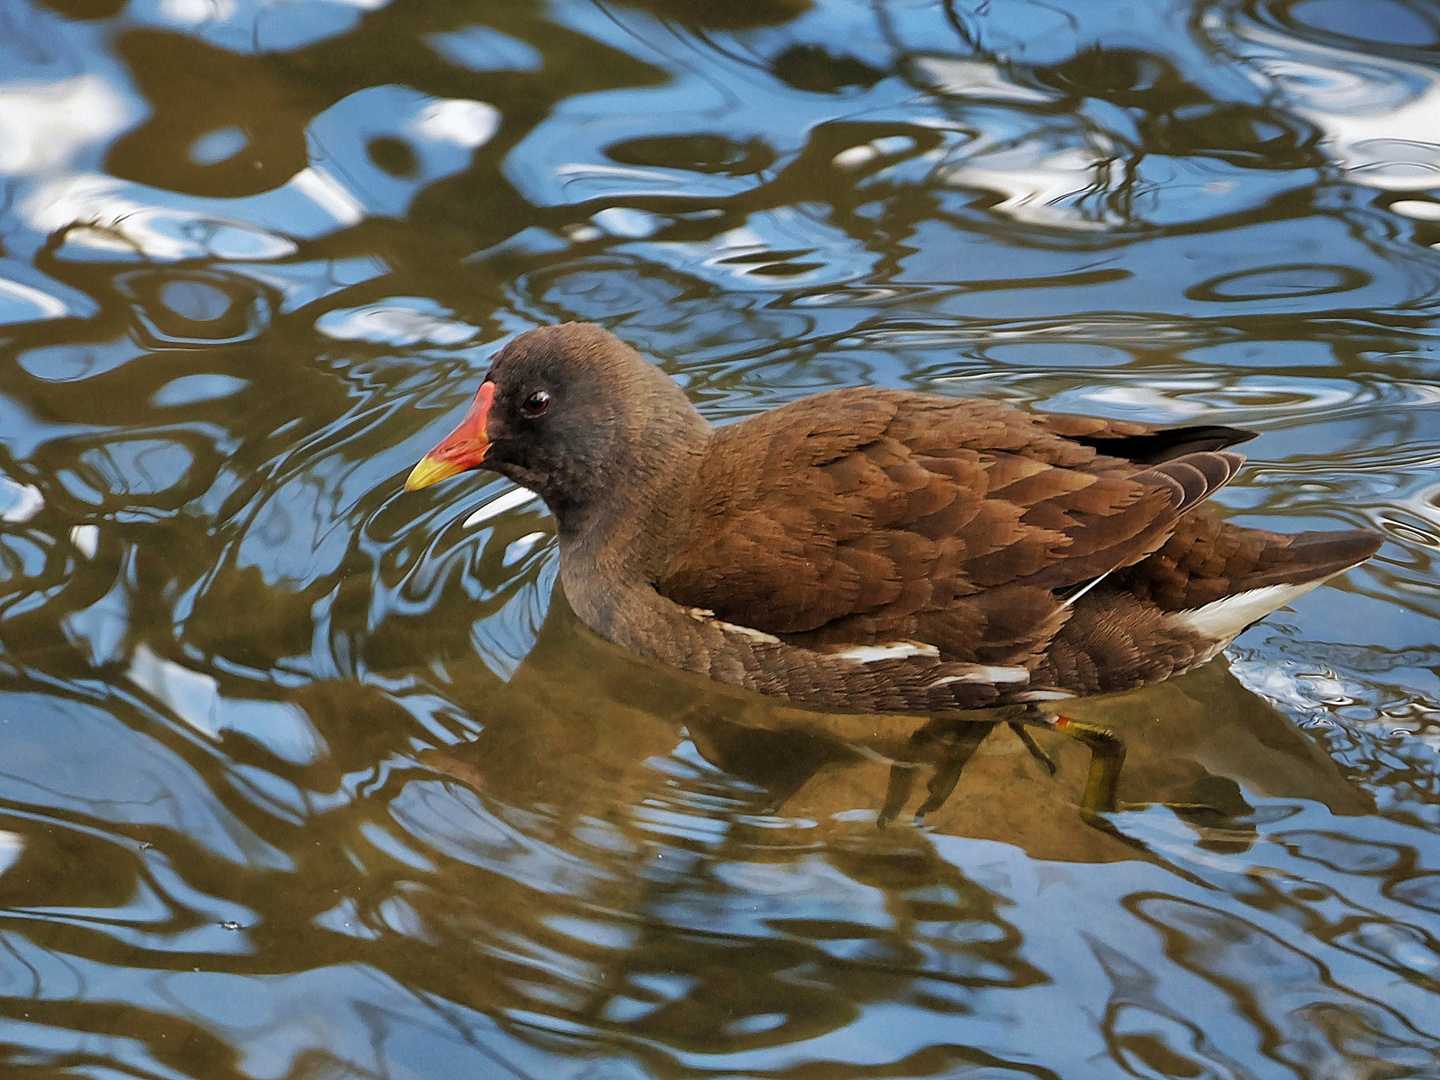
(45, 126)
(195, 698)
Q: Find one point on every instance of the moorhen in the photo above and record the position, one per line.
(876, 550)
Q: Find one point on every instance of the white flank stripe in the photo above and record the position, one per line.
(747, 631)
(868, 654)
(705, 615)
(1225, 618)
(980, 673)
(1044, 695)
(507, 501)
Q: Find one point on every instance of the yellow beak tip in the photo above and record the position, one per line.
(429, 471)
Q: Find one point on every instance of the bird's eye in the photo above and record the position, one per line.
(536, 403)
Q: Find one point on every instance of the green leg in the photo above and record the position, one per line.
(1107, 757)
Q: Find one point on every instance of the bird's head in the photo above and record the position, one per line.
(570, 412)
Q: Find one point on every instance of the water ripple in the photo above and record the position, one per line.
(307, 776)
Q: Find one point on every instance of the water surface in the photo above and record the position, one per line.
(304, 778)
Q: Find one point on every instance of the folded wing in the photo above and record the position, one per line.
(865, 518)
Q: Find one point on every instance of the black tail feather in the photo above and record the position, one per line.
(1166, 445)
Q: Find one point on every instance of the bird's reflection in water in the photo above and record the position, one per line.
(581, 727)
(608, 852)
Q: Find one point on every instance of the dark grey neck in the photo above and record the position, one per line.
(623, 535)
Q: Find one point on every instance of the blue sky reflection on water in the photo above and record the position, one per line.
(302, 778)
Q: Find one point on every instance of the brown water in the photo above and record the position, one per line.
(301, 777)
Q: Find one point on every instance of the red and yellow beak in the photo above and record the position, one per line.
(462, 449)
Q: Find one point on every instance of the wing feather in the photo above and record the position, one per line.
(869, 517)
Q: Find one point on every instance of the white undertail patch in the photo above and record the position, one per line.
(1226, 617)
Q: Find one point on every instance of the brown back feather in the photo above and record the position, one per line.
(1206, 559)
(873, 516)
